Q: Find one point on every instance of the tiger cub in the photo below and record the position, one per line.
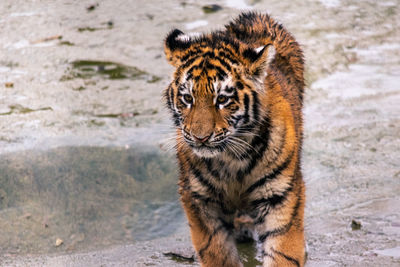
(236, 100)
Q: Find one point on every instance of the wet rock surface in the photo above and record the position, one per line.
(352, 131)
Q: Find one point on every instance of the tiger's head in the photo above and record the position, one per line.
(216, 89)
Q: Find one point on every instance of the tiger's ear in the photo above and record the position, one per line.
(259, 60)
(175, 45)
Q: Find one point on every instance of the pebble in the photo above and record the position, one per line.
(59, 242)
(355, 225)
(9, 84)
(211, 8)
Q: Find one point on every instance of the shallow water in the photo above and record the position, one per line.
(89, 197)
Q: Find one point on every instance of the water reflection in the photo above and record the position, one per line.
(89, 197)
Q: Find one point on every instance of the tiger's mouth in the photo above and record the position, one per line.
(206, 151)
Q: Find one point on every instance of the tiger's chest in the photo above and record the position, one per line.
(234, 179)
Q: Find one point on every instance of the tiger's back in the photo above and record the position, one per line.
(236, 100)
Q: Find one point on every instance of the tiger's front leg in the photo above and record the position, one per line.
(214, 245)
(281, 232)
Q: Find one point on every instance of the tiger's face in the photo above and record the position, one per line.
(215, 94)
(211, 114)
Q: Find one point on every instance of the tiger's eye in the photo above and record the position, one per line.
(188, 98)
(221, 99)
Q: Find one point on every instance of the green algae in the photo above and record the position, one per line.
(208, 9)
(19, 109)
(67, 43)
(95, 123)
(89, 29)
(179, 258)
(80, 88)
(118, 115)
(247, 252)
(87, 69)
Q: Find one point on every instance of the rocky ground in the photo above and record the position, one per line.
(91, 73)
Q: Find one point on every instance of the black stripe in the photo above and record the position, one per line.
(188, 55)
(214, 173)
(187, 63)
(288, 258)
(236, 31)
(229, 89)
(207, 200)
(262, 215)
(208, 65)
(225, 210)
(216, 230)
(197, 196)
(246, 109)
(181, 89)
(229, 105)
(234, 109)
(285, 228)
(227, 225)
(274, 200)
(176, 82)
(210, 80)
(278, 231)
(175, 115)
(265, 254)
(239, 85)
(205, 182)
(225, 64)
(225, 258)
(272, 175)
(189, 76)
(268, 203)
(221, 73)
(176, 118)
(209, 86)
(256, 104)
(229, 56)
(209, 54)
(235, 96)
(231, 52)
(194, 67)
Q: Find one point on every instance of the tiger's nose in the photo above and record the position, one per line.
(202, 139)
